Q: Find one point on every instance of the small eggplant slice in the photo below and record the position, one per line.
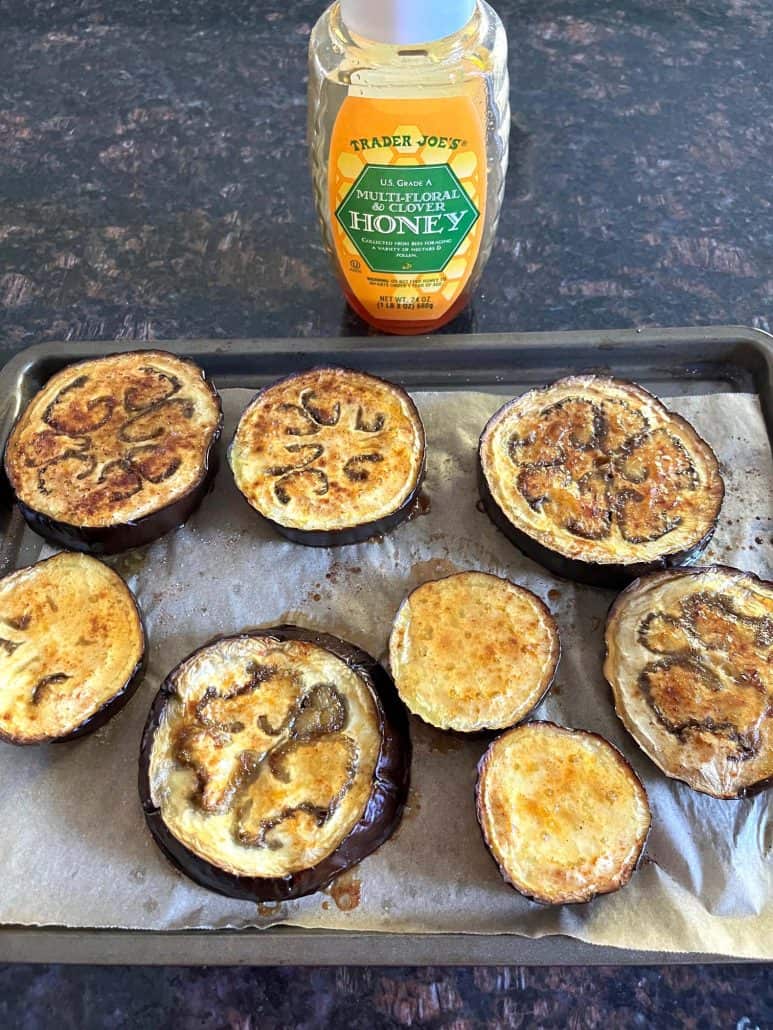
(272, 761)
(72, 649)
(563, 814)
(330, 456)
(473, 652)
(689, 657)
(114, 452)
(599, 482)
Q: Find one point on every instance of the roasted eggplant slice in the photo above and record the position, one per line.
(473, 652)
(72, 649)
(563, 814)
(273, 761)
(689, 657)
(113, 453)
(330, 456)
(599, 482)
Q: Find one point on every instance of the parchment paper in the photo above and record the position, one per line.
(74, 848)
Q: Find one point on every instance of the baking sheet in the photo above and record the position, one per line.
(76, 852)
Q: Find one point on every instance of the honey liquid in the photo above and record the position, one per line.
(408, 150)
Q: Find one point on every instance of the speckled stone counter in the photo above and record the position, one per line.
(153, 184)
(733, 998)
(153, 179)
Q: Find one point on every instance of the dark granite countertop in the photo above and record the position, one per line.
(153, 176)
(153, 184)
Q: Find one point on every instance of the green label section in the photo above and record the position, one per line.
(407, 219)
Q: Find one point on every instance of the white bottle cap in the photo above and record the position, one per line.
(402, 22)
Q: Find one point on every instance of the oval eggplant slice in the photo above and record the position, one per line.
(273, 761)
(330, 456)
(115, 452)
(689, 657)
(473, 652)
(599, 482)
(563, 814)
(72, 649)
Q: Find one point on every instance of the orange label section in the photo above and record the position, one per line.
(407, 193)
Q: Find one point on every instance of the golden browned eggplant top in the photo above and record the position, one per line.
(563, 814)
(263, 757)
(328, 449)
(472, 652)
(108, 441)
(690, 662)
(71, 638)
(599, 470)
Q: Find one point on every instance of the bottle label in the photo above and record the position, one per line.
(407, 181)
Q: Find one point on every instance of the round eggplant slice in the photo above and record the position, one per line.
(473, 652)
(563, 814)
(72, 649)
(689, 657)
(273, 761)
(599, 482)
(113, 453)
(330, 456)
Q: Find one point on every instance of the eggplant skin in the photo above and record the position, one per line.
(614, 615)
(352, 534)
(613, 576)
(604, 574)
(110, 540)
(346, 380)
(111, 707)
(625, 870)
(383, 811)
(103, 541)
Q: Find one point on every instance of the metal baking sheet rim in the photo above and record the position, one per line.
(293, 946)
(456, 360)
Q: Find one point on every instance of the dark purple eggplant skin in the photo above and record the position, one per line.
(111, 707)
(365, 530)
(613, 576)
(754, 788)
(102, 541)
(383, 811)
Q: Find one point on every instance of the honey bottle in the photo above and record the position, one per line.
(408, 138)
